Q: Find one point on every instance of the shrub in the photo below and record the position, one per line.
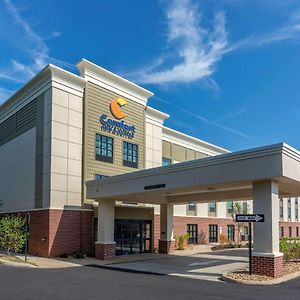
(181, 240)
(290, 247)
(12, 234)
(63, 255)
(222, 239)
(79, 255)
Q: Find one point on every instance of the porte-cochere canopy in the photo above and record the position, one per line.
(263, 174)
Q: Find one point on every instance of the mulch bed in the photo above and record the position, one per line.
(288, 268)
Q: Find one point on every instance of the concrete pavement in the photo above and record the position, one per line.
(94, 283)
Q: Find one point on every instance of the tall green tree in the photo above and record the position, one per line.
(12, 234)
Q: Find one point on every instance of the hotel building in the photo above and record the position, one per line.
(61, 130)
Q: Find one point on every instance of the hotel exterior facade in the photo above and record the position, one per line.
(61, 130)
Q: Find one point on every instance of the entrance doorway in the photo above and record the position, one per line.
(133, 236)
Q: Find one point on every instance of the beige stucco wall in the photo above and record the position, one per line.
(17, 172)
(63, 135)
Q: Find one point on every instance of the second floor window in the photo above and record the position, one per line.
(104, 148)
(100, 176)
(212, 208)
(281, 209)
(166, 161)
(229, 207)
(130, 155)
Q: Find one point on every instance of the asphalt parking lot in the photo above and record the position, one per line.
(94, 283)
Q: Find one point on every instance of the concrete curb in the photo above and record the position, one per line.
(278, 280)
(17, 264)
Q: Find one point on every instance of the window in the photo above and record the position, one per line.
(289, 213)
(297, 231)
(290, 231)
(212, 208)
(245, 208)
(229, 206)
(191, 209)
(99, 176)
(281, 209)
(192, 230)
(166, 161)
(130, 155)
(245, 236)
(281, 232)
(230, 232)
(104, 148)
(213, 233)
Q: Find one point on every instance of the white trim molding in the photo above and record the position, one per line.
(106, 79)
(50, 76)
(155, 116)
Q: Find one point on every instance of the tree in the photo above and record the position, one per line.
(239, 208)
(12, 234)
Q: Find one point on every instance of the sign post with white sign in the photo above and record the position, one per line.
(253, 218)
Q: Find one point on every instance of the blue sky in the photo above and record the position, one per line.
(226, 71)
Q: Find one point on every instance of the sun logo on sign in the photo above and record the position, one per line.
(115, 106)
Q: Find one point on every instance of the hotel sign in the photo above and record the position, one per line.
(120, 128)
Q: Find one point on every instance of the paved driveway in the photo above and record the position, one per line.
(208, 266)
(93, 283)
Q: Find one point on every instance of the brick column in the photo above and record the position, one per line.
(166, 242)
(267, 265)
(105, 247)
(105, 251)
(166, 246)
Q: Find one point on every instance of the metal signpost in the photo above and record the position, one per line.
(27, 220)
(250, 219)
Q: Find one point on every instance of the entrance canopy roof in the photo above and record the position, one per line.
(219, 178)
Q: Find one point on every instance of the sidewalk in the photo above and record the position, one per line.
(55, 263)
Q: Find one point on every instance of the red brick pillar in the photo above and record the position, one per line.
(166, 246)
(268, 265)
(105, 251)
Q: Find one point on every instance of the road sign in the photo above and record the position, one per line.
(250, 218)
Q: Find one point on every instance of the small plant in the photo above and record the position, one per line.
(12, 234)
(290, 247)
(79, 255)
(181, 240)
(222, 239)
(64, 255)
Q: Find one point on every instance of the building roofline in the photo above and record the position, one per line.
(90, 71)
(48, 71)
(184, 138)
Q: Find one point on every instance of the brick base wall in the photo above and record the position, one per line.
(53, 232)
(105, 251)
(293, 226)
(180, 227)
(166, 246)
(269, 266)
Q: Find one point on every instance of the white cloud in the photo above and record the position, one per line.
(34, 49)
(198, 49)
(290, 31)
(204, 119)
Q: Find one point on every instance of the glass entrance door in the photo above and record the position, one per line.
(132, 236)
